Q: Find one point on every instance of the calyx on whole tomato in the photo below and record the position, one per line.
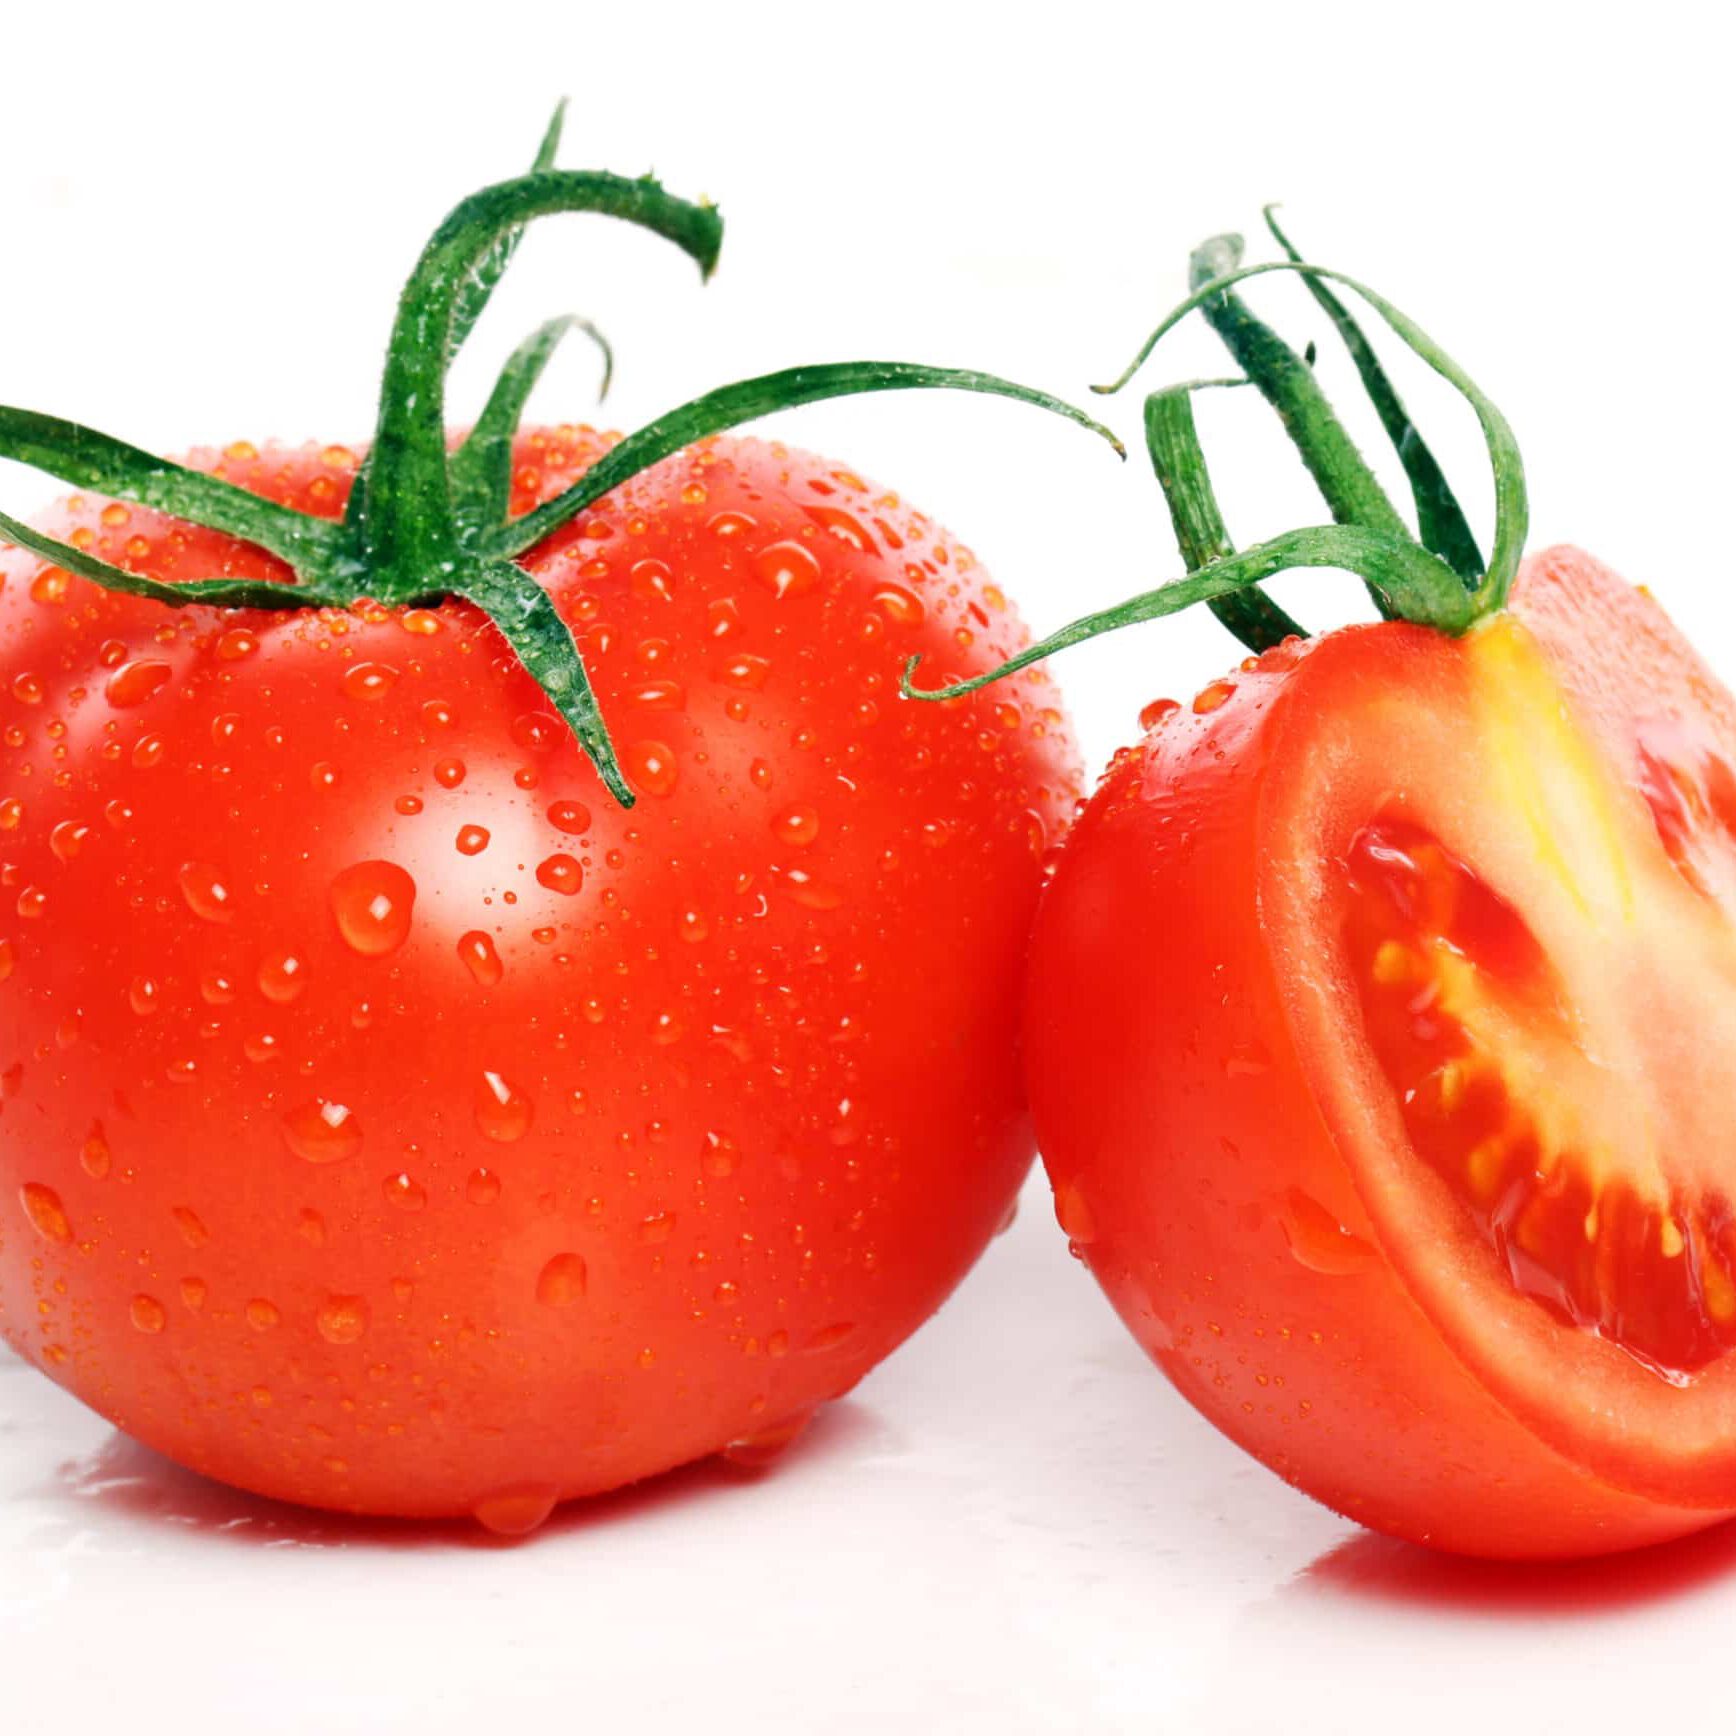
(397, 1119)
(1382, 1007)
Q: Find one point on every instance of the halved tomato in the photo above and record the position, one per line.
(1381, 1041)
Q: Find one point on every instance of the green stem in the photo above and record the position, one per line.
(406, 524)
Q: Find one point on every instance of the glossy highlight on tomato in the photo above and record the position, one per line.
(394, 1123)
(1381, 1018)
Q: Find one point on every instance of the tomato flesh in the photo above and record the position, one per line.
(1431, 944)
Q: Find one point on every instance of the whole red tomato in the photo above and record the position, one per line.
(394, 1123)
(1382, 1012)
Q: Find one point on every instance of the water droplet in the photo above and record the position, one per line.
(516, 1512)
(342, 1319)
(262, 1314)
(538, 731)
(32, 902)
(692, 926)
(11, 813)
(133, 683)
(503, 1112)
(830, 1337)
(235, 644)
(560, 873)
(1156, 712)
(311, 1227)
(573, 818)
(786, 569)
(1074, 1215)
(282, 977)
(94, 1156)
(27, 689)
(404, 1192)
(808, 892)
(191, 1226)
(217, 989)
(1210, 698)
(46, 1214)
(799, 826)
(744, 670)
(193, 1293)
(903, 608)
(472, 840)
(651, 766)
(369, 680)
(148, 1314)
(652, 580)
(449, 773)
(206, 892)
(1318, 1241)
(372, 902)
(719, 1155)
(483, 1187)
(480, 958)
(561, 1282)
(658, 1227)
(322, 1131)
(67, 839)
(408, 805)
(143, 996)
(754, 1452)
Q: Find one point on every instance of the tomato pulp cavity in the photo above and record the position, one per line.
(394, 1123)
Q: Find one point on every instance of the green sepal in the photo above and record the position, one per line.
(1441, 522)
(531, 624)
(1512, 508)
(746, 400)
(219, 593)
(1398, 566)
(480, 471)
(86, 458)
(1349, 487)
(1172, 439)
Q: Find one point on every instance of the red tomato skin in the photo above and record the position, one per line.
(1195, 1171)
(650, 1130)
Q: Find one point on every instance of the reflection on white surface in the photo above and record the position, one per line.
(1015, 1526)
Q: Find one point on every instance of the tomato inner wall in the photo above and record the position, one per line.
(1439, 957)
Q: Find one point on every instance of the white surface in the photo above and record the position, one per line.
(1014, 1526)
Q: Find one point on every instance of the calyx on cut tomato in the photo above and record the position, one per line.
(425, 524)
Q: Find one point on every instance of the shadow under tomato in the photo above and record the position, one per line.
(131, 1482)
(1369, 1567)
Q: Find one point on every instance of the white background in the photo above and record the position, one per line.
(1014, 1526)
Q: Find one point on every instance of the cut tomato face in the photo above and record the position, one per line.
(1382, 1018)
